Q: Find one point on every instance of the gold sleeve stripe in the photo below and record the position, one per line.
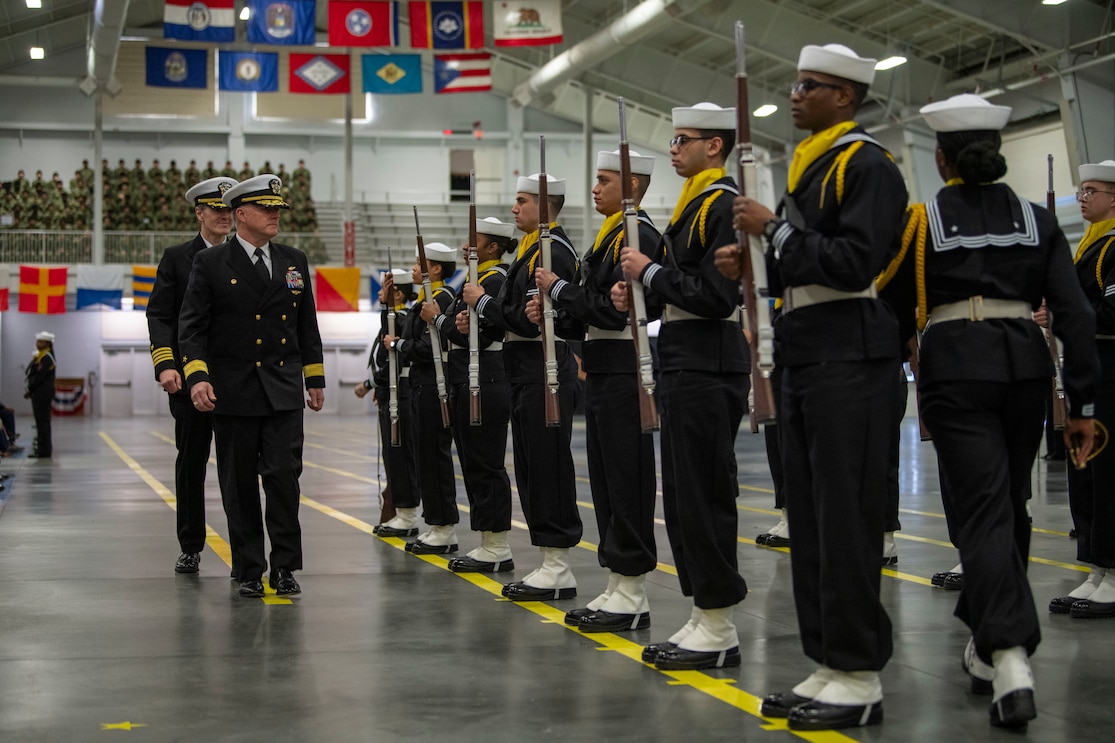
(195, 366)
(313, 370)
(159, 355)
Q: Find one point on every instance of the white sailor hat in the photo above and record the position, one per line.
(640, 164)
(43, 335)
(1104, 171)
(262, 190)
(439, 252)
(494, 227)
(401, 276)
(965, 113)
(209, 192)
(704, 116)
(529, 184)
(837, 60)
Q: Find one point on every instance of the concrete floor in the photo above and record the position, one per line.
(99, 637)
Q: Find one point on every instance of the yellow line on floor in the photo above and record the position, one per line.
(214, 540)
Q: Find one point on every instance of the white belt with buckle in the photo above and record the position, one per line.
(798, 297)
(510, 337)
(593, 333)
(979, 308)
(673, 313)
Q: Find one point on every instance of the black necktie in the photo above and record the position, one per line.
(261, 267)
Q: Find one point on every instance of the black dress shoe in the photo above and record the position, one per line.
(520, 591)
(1014, 710)
(816, 715)
(948, 580)
(187, 562)
(251, 589)
(39, 455)
(284, 583)
(383, 530)
(421, 548)
(1072, 533)
(680, 659)
(1088, 609)
(650, 652)
(772, 540)
(779, 705)
(606, 621)
(1062, 604)
(472, 565)
(573, 616)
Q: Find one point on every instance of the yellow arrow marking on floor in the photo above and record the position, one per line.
(122, 725)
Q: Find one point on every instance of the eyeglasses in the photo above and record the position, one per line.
(1087, 193)
(807, 85)
(681, 140)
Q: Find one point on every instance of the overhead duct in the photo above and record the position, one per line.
(641, 21)
(104, 43)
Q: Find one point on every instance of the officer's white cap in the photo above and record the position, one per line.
(262, 190)
(209, 192)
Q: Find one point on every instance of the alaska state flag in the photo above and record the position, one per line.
(200, 20)
(392, 73)
(282, 22)
(337, 289)
(100, 287)
(363, 23)
(42, 290)
(249, 72)
(446, 25)
(177, 68)
(143, 282)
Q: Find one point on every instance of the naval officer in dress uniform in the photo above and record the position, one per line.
(193, 429)
(250, 344)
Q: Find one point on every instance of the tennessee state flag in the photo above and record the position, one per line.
(447, 25)
(42, 290)
(337, 289)
(363, 23)
(319, 73)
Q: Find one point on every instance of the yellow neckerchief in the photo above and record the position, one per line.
(811, 148)
(610, 223)
(1094, 232)
(482, 267)
(694, 186)
(39, 355)
(529, 241)
(434, 286)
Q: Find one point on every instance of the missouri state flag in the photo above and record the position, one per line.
(99, 287)
(447, 25)
(249, 72)
(462, 73)
(199, 20)
(392, 74)
(281, 22)
(319, 73)
(42, 290)
(177, 68)
(363, 23)
(337, 289)
(143, 282)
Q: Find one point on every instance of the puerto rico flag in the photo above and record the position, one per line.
(199, 20)
(363, 23)
(462, 73)
(447, 25)
(319, 73)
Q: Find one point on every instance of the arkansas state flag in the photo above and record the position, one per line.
(363, 23)
(462, 73)
(319, 73)
(447, 25)
(42, 290)
(199, 20)
(337, 289)
(285, 22)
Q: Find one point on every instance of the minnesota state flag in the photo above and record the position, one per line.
(337, 289)
(42, 290)
(143, 281)
(392, 73)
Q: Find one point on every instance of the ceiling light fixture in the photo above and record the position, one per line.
(1052, 2)
(245, 12)
(37, 52)
(34, 4)
(764, 110)
(890, 62)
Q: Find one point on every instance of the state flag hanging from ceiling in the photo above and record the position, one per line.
(281, 22)
(177, 68)
(462, 73)
(200, 20)
(249, 72)
(143, 282)
(392, 73)
(537, 23)
(42, 290)
(4, 299)
(446, 25)
(99, 287)
(363, 23)
(319, 73)
(337, 289)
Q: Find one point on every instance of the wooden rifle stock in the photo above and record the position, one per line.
(636, 300)
(392, 363)
(435, 336)
(473, 318)
(549, 346)
(1059, 403)
(753, 281)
